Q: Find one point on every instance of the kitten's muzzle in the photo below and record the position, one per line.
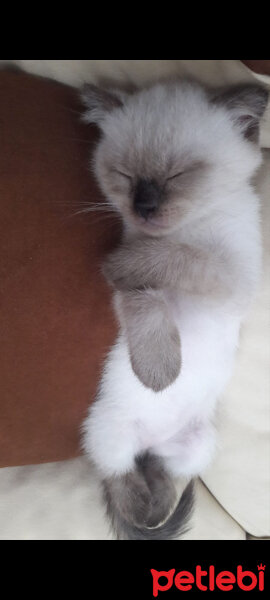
(147, 198)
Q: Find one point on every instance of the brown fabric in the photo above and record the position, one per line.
(258, 66)
(56, 321)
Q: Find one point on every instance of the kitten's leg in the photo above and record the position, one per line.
(137, 488)
(109, 438)
(110, 441)
(161, 264)
(140, 264)
(189, 453)
(153, 339)
(138, 491)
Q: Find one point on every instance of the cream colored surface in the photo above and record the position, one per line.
(61, 500)
(240, 476)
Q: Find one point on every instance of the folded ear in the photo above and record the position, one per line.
(246, 104)
(99, 102)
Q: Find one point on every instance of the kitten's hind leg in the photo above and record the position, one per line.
(153, 339)
(191, 451)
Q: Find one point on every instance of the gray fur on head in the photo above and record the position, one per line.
(176, 142)
(100, 101)
(246, 104)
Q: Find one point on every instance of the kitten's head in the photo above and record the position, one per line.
(169, 152)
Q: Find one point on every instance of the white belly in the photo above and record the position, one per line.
(208, 343)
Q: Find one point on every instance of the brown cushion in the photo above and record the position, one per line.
(56, 321)
(259, 66)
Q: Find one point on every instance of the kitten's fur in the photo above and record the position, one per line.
(175, 160)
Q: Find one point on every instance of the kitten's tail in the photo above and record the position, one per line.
(139, 501)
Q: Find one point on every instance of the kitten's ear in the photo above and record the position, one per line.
(246, 103)
(99, 102)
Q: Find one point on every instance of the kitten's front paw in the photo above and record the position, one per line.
(157, 362)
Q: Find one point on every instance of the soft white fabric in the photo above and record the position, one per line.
(139, 72)
(58, 500)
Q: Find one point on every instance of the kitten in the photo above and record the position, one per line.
(175, 161)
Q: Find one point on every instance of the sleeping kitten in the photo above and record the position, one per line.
(175, 160)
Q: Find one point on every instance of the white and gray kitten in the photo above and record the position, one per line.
(175, 160)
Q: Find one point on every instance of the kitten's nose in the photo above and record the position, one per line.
(147, 197)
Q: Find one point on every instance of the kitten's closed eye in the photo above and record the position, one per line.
(126, 175)
(187, 174)
(174, 176)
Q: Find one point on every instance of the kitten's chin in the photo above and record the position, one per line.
(153, 226)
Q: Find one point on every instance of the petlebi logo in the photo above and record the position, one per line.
(209, 580)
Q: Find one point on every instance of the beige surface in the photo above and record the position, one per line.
(240, 475)
(60, 501)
